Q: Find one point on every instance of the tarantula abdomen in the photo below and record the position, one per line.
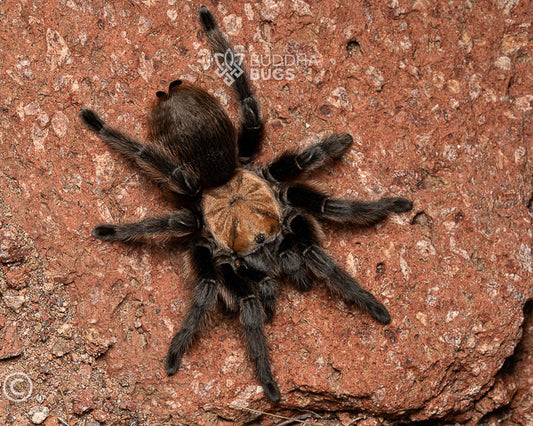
(193, 129)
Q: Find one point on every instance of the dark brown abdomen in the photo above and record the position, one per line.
(193, 128)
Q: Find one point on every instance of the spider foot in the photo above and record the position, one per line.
(398, 205)
(172, 364)
(104, 232)
(272, 391)
(91, 120)
(337, 144)
(175, 353)
(380, 313)
(207, 19)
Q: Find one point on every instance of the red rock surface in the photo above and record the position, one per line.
(438, 97)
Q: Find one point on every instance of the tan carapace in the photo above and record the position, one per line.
(242, 213)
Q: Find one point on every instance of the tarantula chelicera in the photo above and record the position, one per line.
(247, 229)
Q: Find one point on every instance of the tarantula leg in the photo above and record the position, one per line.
(267, 295)
(179, 224)
(320, 264)
(266, 286)
(146, 157)
(252, 128)
(251, 131)
(343, 284)
(292, 263)
(203, 301)
(252, 319)
(362, 213)
(251, 316)
(220, 46)
(291, 165)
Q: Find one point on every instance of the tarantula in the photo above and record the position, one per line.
(246, 229)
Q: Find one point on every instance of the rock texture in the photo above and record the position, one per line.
(439, 99)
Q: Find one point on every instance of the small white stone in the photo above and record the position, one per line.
(39, 414)
(503, 63)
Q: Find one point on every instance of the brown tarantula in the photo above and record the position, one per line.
(246, 228)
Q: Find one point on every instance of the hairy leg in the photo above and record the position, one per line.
(252, 319)
(256, 270)
(204, 300)
(363, 213)
(153, 162)
(180, 224)
(251, 316)
(344, 285)
(291, 165)
(267, 295)
(252, 128)
(292, 264)
(324, 267)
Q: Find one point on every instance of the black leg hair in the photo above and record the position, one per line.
(180, 224)
(292, 264)
(267, 295)
(203, 301)
(252, 318)
(153, 162)
(362, 213)
(252, 323)
(252, 128)
(291, 165)
(321, 265)
(300, 233)
(343, 284)
(266, 285)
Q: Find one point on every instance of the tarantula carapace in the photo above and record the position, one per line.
(247, 229)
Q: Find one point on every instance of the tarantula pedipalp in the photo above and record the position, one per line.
(247, 229)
